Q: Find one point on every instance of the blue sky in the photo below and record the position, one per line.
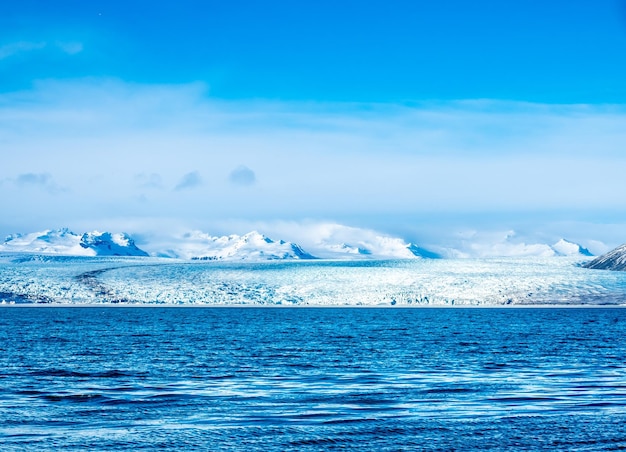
(416, 118)
(376, 51)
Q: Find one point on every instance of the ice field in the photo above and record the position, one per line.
(128, 280)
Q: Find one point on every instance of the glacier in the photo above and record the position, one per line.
(49, 279)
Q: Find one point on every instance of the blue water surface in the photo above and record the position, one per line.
(276, 379)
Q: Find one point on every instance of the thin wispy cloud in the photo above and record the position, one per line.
(43, 181)
(327, 160)
(16, 48)
(24, 47)
(189, 181)
(242, 176)
(70, 47)
(148, 180)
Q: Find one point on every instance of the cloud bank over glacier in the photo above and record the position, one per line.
(140, 154)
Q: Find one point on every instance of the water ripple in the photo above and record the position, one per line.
(312, 379)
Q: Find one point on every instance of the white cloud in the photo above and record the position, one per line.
(189, 181)
(504, 243)
(70, 47)
(15, 48)
(43, 181)
(242, 176)
(149, 180)
(333, 161)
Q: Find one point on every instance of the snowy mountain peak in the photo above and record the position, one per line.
(256, 237)
(421, 252)
(108, 244)
(49, 235)
(348, 249)
(566, 248)
(198, 245)
(377, 247)
(65, 242)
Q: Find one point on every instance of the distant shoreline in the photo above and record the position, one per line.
(277, 306)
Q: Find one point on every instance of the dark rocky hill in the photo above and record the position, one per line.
(613, 260)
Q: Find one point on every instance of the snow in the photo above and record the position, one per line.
(252, 246)
(410, 282)
(613, 260)
(337, 241)
(65, 242)
(566, 248)
(59, 241)
(108, 244)
(120, 239)
(347, 249)
(474, 244)
(325, 241)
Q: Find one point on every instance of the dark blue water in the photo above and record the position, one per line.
(128, 378)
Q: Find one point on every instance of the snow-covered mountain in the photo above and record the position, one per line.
(109, 244)
(374, 247)
(379, 248)
(496, 244)
(337, 241)
(198, 245)
(383, 247)
(613, 260)
(566, 248)
(332, 242)
(350, 243)
(422, 252)
(65, 242)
